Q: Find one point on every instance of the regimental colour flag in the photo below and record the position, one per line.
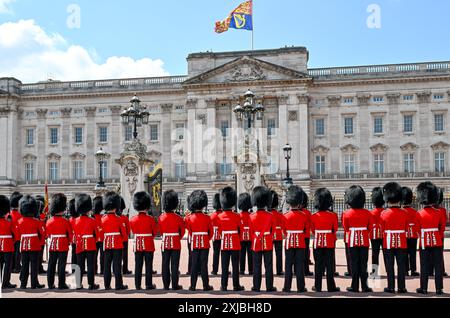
(241, 18)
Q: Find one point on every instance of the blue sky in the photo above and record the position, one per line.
(334, 31)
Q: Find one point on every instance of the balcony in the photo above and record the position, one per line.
(65, 182)
(388, 176)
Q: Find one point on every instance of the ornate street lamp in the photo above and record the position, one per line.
(288, 182)
(250, 111)
(101, 157)
(135, 115)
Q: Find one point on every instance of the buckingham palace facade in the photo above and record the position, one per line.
(362, 125)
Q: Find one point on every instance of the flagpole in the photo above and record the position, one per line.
(253, 28)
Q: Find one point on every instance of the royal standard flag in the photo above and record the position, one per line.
(241, 18)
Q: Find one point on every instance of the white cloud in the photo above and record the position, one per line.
(4, 6)
(30, 54)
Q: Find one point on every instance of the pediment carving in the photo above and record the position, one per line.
(379, 148)
(409, 147)
(350, 148)
(440, 145)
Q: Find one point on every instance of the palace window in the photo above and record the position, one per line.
(271, 127)
(439, 123)
(53, 171)
(29, 171)
(225, 169)
(180, 170)
(105, 169)
(78, 170)
(320, 127)
(378, 99)
(408, 97)
(320, 165)
(408, 123)
(103, 134)
(348, 126)
(224, 126)
(439, 162)
(378, 125)
(30, 136)
(350, 164)
(409, 162)
(128, 133)
(180, 131)
(378, 163)
(438, 96)
(54, 136)
(348, 101)
(154, 133)
(78, 134)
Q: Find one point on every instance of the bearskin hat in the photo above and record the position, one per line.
(58, 204)
(142, 201)
(262, 198)
(228, 198)
(97, 204)
(355, 197)
(83, 203)
(216, 202)
(407, 196)
(5, 206)
(295, 197)
(28, 206)
(392, 193)
(170, 201)
(441, 196)
(427, 193)
(198, 201)
(323, 200)
(14, 199)
(245, 202)
(275, 200)
(72, 211)
(111, 202)
(378, 198)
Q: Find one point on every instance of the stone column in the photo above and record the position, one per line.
(211, 125)
(65, 143)
(191, 107)
(303, 117)
(42, 143)
(283, 102)
(8, 144)
(91, 161)
(166, 140)
(116, 141)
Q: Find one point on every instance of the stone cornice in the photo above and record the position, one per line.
(409, 147)
(379, 147)
(65, 112)
(91, 111)
(334, 100)
(116, 109)
(167, 108)
(440, 145)
(393, 98)
(41, 113)
(350, 148)
(363, 99)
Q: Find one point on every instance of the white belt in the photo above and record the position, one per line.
(295, 232)
(199, 233)
(229, 233)
(171, 234)
(246, 228)
(289, 237)
(112, 234)
(278, 228)
(29, 235)
(144, 235)
(324, 232)
(353, 230)
(389, 237)
(259, 233)
(87, 236)
(423, 235)
(5, 237)
(57, 236)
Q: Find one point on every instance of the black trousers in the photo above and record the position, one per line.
(189, 259)
(41, 258)
(199, 265)
(89, 258)
(113, 258)
(125, 257)
(348, 258)
(376, 248)
(258, 258)
(359, 259)
(324, 261)
(295, 258)
(278, 247)
(390, 256)
(308, 255)
(102, 258)
(30, 260)
(234, 257)
(16, 265)
(6, 267)
(140, 259)
(74, 254)
(216, 255)
(411, 256)
(57, 259)
(246, 253)
(432, 259)
(171, 268)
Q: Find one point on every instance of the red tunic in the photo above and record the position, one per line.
(31, 234)
(15, 217)
(444, 218)
(430, 227)
(86, 233)
(44, 227)
(262, 227)
(171, 228)
(98, 220)
(308, 215)
(59, 234)
(394, 224)
(357, 226)
(279, 226)
(216, 225)
(115, 232)
(296, 225)
(324, 226)
(7, 236)
(143, 227)
(376, 233)
(72, 224)
(413, 223)
(200, 230)
(126, 225)
(231, 226)
(245, 220)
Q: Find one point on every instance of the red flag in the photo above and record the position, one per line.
(46, 207)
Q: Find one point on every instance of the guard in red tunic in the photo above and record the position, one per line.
(431, 227)
(31, 234)
(376, 236)
(143, 227)
(97, 202)
(262, 227)
(296, 225)
(7, 235)
(245, 206)
(126, 224)
(278, 234)
(201, 232)
(86, 232)
(231, 228)
(308, 214)
(115, 233)
(59, 235)
(347, 250)
(413, 231)
(394, 225)
(443, 214)
(324, 226)
(73, 217)
(41, 216)
(15, 216)
(357, 224)
(217, 238)
(171, 228)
